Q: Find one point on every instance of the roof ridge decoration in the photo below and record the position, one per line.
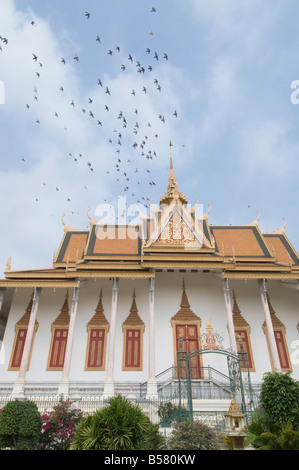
(281, 230)
(8, 265)
(66, 227)
(256, 221)
(91, 220)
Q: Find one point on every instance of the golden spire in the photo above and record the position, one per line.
(184, 300)
(133, 319)
(172, 191)
(171, 165)
(99, 317)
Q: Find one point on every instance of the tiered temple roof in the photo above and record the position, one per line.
(173, 237)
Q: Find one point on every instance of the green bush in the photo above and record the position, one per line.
(168, 413)
(20, 425)
(192, 435)
(120, 425)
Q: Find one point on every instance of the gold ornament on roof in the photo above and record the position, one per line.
(172, 191)
(8, 265)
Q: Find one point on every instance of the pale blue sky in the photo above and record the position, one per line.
(228, 75)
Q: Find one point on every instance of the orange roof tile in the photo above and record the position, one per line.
(114, 240)
(72, 247)
(240, 241)
(281, 249)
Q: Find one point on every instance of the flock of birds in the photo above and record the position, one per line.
(125, 136)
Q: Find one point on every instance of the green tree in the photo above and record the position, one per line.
(280, 398)
(192, 435)
(275, 426)
(20, 425)
(59, 426)
(120, 425)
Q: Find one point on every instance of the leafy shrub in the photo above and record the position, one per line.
(192, 435)
(120, 425)
(59, 426)
(20, 425)
(168, 412)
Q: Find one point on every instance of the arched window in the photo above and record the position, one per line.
(59, 330)
(186, 336)
(97, 331)
(20, 338)
(133, 329)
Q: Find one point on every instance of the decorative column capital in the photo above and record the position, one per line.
(37, 293)
(76, 294)
(263, 290)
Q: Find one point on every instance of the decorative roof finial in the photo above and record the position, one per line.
(8, 264)
(171, 164)
(172, 191)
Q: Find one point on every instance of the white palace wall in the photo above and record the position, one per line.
(206, 298)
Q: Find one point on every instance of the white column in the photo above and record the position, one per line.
(151, 383)
(18, 388)
(109, 382)
(63, 388)
(229, 314)
(270, 330)
(2, 292)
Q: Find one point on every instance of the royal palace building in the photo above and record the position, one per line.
(121, 301)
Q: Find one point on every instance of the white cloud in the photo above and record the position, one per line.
(32, 207)
(266, 149)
